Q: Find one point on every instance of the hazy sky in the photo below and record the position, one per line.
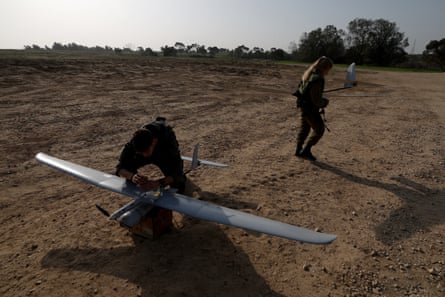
(222, 23)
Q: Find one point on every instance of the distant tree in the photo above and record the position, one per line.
(213, 50)
(201, 50)
(357, 39)
(148, 52)
(334, 42)
(168, 51)
(196, 49)
(321, 42)
(376, 42)
(97, 48)
(180, 47)
(127, 50)
(435, 53)
(278, 54)
(257, 49)
(257, 53)
(58, 46)
(192, 48)
(72, 46)
(77, 47)
(240, 51)
(388, 44)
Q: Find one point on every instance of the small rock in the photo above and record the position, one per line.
(376, 290)
(433, 271)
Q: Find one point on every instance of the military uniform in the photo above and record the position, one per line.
(309, 101)
(166, 155)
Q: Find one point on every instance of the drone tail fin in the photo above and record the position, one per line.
(351, 79)
(195, 160)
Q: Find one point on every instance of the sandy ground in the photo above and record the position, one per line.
(378, 182)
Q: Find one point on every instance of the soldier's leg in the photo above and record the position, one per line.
(303, 133)
(317, 125)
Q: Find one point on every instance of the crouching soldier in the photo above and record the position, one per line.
(155, 143)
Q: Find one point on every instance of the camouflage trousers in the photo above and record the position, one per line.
(309, 120)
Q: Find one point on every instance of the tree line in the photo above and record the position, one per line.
(366, 42)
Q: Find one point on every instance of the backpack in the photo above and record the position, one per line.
(300, 99)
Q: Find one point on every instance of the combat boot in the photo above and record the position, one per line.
(298, 150)
(307, 154)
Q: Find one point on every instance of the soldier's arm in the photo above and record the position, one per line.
(126, 166)
(317, 94)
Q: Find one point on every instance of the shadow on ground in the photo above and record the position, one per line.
(423, 207)
(200, 261)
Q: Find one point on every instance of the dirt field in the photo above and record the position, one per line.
(378, 182)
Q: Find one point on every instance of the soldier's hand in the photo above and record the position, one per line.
(150, 185)
(139, 179)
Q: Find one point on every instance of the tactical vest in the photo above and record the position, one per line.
(303, 97)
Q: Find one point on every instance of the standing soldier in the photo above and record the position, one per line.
(309, 102)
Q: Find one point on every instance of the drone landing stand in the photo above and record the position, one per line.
(156, 222)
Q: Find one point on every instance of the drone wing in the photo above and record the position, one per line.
(187, 205)
(227, 216)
